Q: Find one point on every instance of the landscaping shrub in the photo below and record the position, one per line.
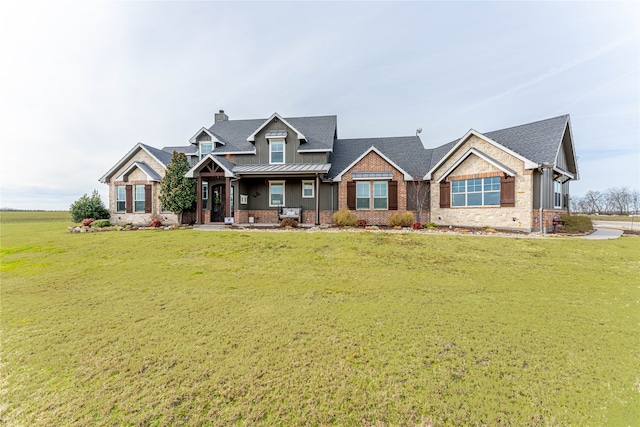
(401, 220)
(417, 226)
(289, 222)
(87, 222)
(345, 218)
(576, 223)
(155, 223)
(101, 223)
(362, 223)
(431, 225)
(88, 207)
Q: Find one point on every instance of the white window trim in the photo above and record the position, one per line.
(135, 199)
(201, 155)
(313, 189)
(368, 195)
(373, 194)
(556, 192)
(121, 200)
(482, 193)
(284, 149)
(283, 193)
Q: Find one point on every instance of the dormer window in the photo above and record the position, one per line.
(276, 151)
(205, 148)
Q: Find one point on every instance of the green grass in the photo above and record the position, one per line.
(623, 218)
(34, 216)
(190, 327)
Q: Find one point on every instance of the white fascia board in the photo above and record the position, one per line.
(252, 137)
(317, 150)
(214, 139)
(105, 178)
(484, 157)
(573, 149)
(563, 172)
(233, 152)
(528, 164)
(138, 165)
(194, 169)
(407, 177)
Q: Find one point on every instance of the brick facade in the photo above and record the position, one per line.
(373, 162)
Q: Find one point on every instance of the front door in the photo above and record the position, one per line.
(217, 203)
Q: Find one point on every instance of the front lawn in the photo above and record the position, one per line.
(191, 327)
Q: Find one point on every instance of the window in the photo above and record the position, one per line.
(138, 205)
(380, 198)
(307, 189)
(276, 193)
(205, 148)
(476, 192)
(205, 195)
(362, 195)
(276, 151)
(120, 198)
(557, 194)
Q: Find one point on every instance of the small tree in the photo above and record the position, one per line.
(89, 207)
(177, 193)
(418, 193)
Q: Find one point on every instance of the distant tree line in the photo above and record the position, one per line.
(612, 201)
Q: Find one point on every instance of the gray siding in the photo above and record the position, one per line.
(292, 194)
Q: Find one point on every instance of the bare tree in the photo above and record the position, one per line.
(618, 200)
(418, 194)
(592, 202)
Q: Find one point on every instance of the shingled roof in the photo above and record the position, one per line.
(406, 151)
(319, 132)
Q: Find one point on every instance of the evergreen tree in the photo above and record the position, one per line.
(177, 193)
(89, 207)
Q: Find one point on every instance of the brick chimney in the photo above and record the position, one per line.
(220, 117)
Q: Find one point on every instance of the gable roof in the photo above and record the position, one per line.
(252, 137)
(406, 154)
(194, 138)
(225, 164)
(160, 156)
(151, 174)
(484, 157)
(534, 143)
(319, 133)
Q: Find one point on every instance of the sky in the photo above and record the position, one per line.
(82, 82)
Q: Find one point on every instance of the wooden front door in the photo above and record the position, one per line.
(217, 203)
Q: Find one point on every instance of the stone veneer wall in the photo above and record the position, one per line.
(138, 177)
(518, 217)
(372, 162)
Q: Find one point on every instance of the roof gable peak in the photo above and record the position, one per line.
(276, 116)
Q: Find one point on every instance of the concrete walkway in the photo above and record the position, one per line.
(603, 234)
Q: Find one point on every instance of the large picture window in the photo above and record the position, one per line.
(276, 193)
(138, 201)
(276, 151)
(121, 203)
(476, 192)
(362, 195)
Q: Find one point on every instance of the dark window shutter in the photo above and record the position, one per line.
(393, 195)
(128, 199)
(445, 194)
(147, 198)
(351, 195)
(508, 191)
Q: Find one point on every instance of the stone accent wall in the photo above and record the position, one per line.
(517, 218)
(372, 162)
(548, 216)
(136, 176)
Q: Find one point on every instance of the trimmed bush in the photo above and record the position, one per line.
(576, 223)
(417, 226)
(155, 223)
(289, 222)
(401, 220)
(345, 218)
(88, 207)
(101, 223)
(431, 225)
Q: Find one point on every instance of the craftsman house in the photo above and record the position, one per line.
(262, 170)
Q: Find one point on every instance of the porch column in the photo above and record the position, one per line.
(199, 219)
(227, 197)
(317, 199)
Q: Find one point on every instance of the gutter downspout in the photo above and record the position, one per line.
(317, 199)
(542, 168)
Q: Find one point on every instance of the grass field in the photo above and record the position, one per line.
(190, 327)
